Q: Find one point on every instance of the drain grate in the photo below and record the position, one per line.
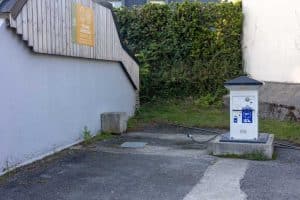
(133, 145)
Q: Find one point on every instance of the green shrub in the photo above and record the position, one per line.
(207, 101)
(87, 136)
(186, 49)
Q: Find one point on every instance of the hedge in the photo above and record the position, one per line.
(186, 49)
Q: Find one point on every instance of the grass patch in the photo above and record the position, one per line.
(103, 136)
(283, 130)
(6, 176)
(89, 139)
(251, 156)
(185, 113)
(191, 113)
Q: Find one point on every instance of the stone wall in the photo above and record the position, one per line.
(280, 101)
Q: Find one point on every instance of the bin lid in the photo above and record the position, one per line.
(243, 80)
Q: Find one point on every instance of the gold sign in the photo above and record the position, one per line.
(83, 26)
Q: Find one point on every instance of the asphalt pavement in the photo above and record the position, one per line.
(169, 167)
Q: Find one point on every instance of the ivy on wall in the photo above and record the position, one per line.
(186, 49)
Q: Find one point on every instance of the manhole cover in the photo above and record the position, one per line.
(133, 144)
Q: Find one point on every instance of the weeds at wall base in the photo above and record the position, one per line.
(258, 156)
(89, 139)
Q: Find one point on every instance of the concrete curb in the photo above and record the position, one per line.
(218, 148)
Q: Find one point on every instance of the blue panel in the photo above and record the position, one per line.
(235, 120)
(247, 116)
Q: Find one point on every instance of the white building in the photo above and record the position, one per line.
(271, 48)
(61, 66)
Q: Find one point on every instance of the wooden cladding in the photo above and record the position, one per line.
(46, 25)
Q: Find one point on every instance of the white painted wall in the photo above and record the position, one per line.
(272, 40)
(46, 100)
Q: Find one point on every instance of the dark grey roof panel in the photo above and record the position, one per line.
(104, 3)
(243, 80)
(109, 6)
(7, 5)
(130, 3)
(12, 6)
(203, 1)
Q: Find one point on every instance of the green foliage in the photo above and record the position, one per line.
(186, 49)
(182, 112)
(103, 136)
(87, 135)
(89, 139)
(207, 101)
(259, 156)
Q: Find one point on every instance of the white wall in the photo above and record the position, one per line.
(46, 100)
(272, 39)
(1, 22)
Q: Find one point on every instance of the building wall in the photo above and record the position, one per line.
(272, 40)
(47, 100)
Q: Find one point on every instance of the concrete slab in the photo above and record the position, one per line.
(216, 147)
(157, 144)
(177, 137)
(114, 122)
(133, 144)
(156, 151)
(262, 138)
(221, 181)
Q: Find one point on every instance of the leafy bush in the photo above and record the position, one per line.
(87, 136)
(186, 49)
(207, 101)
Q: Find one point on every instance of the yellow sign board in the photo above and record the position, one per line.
(83, 25)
